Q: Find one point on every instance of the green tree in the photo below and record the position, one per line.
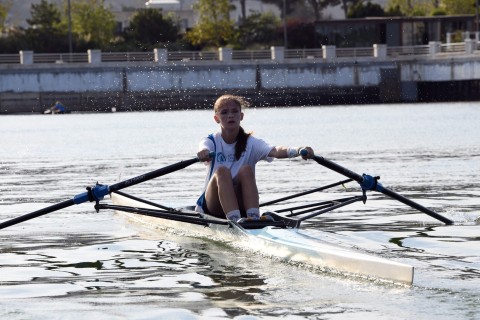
(319, 5)
(452, 7)
(45, 33)
(411, 7)
(214, 27)
(258, 30)
(4, 8)
(301, 34)
(362, 10)
(289, 4)
(346, 4)
(44, 16)
(93, 23)
(150, 29)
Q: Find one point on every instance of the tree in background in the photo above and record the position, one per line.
(346, 4)
(259, 31)
(431, 7)
(301, 34)
(319, 5)
(289, 4)
(362, 10)
(412, 7)
(93, 23)
(46, 33)
(4, 8)
(452, 7)
(214, 27)
(45, 16)
(150, 29)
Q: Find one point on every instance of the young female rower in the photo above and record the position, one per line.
(230, 186)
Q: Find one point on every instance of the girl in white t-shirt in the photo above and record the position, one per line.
(230, 186)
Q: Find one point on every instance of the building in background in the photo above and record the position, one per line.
(125, 9)
(183, 9)
(393, 31)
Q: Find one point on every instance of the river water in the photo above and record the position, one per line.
(76, 263)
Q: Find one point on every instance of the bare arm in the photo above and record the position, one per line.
(281, 152)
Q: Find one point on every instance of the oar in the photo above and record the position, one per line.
(371, 183)
(97, 192)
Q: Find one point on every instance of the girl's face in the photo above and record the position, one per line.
(229, 114)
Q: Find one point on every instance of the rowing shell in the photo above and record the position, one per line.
(289, 244)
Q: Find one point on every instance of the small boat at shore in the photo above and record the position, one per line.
(276, 234)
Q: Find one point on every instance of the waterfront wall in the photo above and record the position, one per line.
(102, 86)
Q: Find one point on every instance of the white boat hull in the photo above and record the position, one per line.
(289, 244)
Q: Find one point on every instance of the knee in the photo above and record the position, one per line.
(246, 172)
(223, 173)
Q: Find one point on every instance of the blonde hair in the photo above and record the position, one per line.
(240, 101)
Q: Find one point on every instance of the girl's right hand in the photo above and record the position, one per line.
(204, 155)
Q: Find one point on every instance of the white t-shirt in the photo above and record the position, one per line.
(256, 150)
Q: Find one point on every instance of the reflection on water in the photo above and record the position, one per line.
(76, 262)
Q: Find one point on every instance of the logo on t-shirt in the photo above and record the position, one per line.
(221, 158)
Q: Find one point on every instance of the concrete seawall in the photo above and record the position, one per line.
(151, 86)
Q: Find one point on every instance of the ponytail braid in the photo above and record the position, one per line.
(241, 145)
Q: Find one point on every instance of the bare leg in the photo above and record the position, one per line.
(248, 196)
(220, 194)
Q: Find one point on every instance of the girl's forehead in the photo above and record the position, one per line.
(228, 104)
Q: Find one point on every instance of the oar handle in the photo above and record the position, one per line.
(371, 183)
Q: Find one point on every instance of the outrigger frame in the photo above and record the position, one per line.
(367, 183)
(281, 221)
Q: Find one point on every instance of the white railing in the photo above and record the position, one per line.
(10, 58)
(354, 52)
(251, 55)
(453, 47)
(58, 57)
(192, 55)
(127, 56)
(403, 52)
(408, 51)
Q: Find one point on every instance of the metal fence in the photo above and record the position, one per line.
(241, 55)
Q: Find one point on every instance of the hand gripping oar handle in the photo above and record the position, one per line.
(97, 192)
(371, 183)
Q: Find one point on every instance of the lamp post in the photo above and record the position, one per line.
(285, 43)
(69, 10)
(476, 15)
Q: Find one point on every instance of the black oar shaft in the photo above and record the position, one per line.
(415, 205)
(338, 168)
(153, 174)
(38, 213)
(360, 179)
(98, 192)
